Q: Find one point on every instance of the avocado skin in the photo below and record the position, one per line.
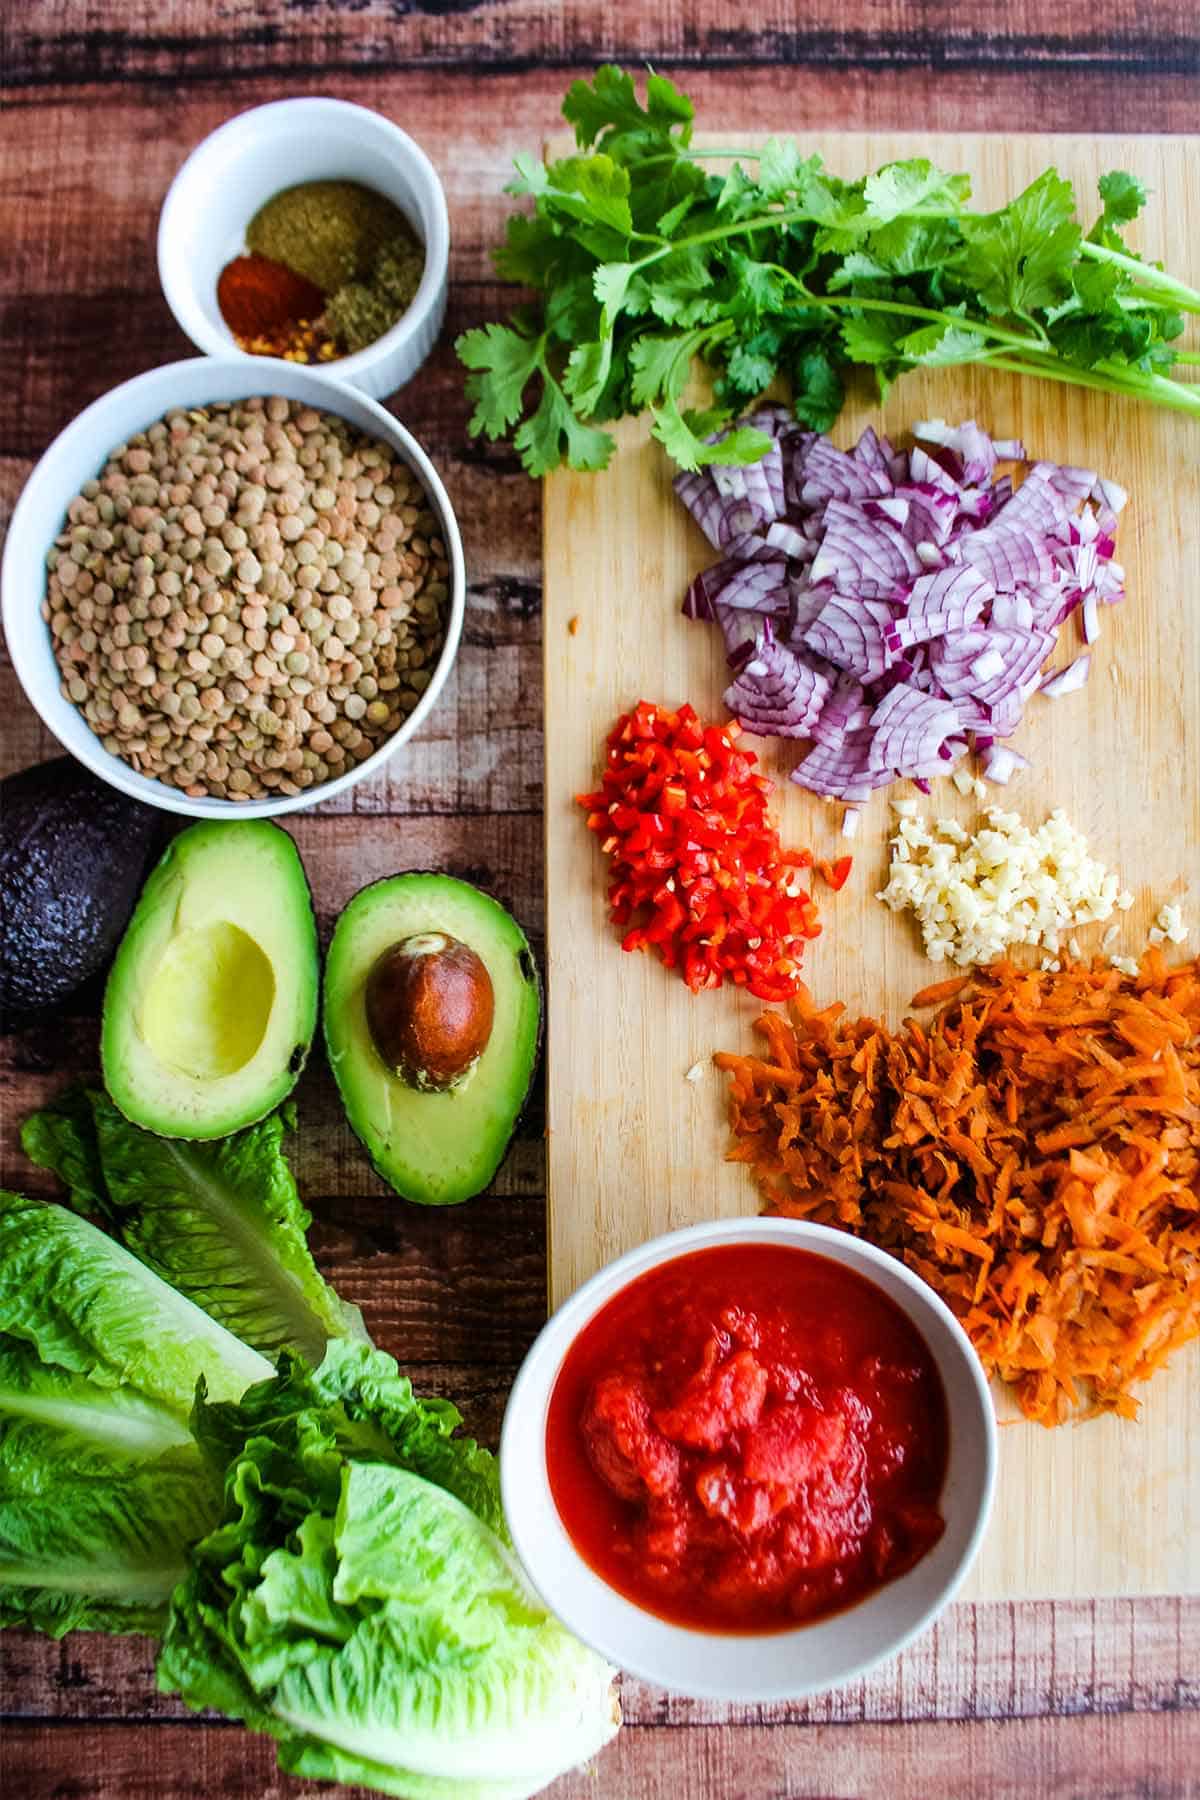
(72, 855)
(520, 1095)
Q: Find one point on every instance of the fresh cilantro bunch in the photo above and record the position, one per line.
(643, 259)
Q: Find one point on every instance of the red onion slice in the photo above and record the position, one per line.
(885, 603)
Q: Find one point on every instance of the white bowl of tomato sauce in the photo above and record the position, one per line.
(749, 1460)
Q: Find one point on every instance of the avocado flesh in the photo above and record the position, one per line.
(436, 1148)
(212, 1001)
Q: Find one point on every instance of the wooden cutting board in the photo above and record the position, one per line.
(635, 1148)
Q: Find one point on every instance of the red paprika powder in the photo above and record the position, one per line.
(257, 296)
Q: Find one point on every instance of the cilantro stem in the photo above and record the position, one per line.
(999, 332)
(1146, 275)
(740, 228)
(1107, 378)
(690, 155)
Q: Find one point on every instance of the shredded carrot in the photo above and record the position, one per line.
(1033, 1152)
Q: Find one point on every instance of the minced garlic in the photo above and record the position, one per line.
(976, 896)
(1168, 927)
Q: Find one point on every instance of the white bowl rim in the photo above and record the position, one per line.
(535, 1382)
(178, 293)
(238, 374)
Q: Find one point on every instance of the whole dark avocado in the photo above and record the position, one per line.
(72, 855)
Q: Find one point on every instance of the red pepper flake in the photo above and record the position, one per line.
(698, 873)
(834, 874)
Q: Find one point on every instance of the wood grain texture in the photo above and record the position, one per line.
(965, 1668)
(101, 105)
(1118, 1756)
(62, 43)
(625, 1126)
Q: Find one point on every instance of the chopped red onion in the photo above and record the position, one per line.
(1000, 763)
(886, 604)
(853, 635)
(909, 728)
(777, 693)
(792, 541)
(1067, 680)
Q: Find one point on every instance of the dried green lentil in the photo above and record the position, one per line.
(238, 490)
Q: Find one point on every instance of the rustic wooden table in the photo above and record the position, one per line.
(103, 103)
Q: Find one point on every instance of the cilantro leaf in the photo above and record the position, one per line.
(609, 103)
(873, 337)
(593, 189)
(907, 187)
(668, 223)
(819, 394)
(782, 170)
(529, 251)
(610, 283)
(858, 265)
(504, 361)
(656, 361)
(681, 290)
(554, 435)
(739, 196)
(587, 373)
(571, 313)
(940, 346)
(531, 176)
(908, 246)
(1020, 258)
(683, 436)
(1123, 195)
(760, 288)
(751, 369)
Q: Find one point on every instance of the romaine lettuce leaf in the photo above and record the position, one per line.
(94, 1543)
(222, 1221)
(102, 1492)
(353, 1606)
(88, 1306)
(371, 1411)
(102, 1487)
(91, 1420)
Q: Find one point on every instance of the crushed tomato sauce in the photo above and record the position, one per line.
(748, 1438)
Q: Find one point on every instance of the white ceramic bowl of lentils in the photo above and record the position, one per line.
(267, 590)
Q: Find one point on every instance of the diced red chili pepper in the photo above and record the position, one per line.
(682, 800)
(834, 874)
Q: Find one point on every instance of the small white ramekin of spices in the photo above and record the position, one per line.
(233, 587)
(254, 158)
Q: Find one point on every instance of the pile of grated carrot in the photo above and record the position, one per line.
(1033, 1153)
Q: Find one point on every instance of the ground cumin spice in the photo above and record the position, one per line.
(329, 231)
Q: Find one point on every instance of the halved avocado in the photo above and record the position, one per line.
(212, 1001)
(435, 1144)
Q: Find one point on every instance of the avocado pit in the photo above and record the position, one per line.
(430, 1006)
